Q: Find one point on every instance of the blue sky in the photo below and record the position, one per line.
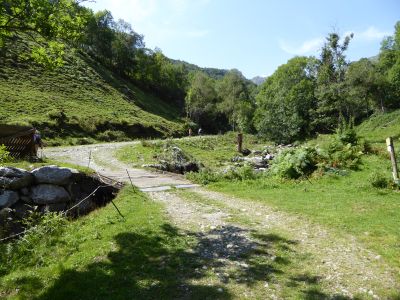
(254, 36)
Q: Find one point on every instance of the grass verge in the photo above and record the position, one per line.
(346, 203)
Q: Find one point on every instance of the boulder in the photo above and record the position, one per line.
(48, 193)
(6, 221)
(54, 175)
(175, 160)
(8, 198)
(14, 178)
(257, 162)
(246, 152)
(23, 210)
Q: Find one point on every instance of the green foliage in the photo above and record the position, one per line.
(379, 180)
(294, 163)
(4, 155)
(332, 102)
(285, 101)
(49, 21)
(45, 230)
(204, 176)
(235, 100)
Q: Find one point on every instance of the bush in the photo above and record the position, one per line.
(204, 176)
(4, 155)
(240, 173)
(379, 180)
(345, 150)
(295, 163)
(112, 135)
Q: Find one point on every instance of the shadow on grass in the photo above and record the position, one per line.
(170, 264)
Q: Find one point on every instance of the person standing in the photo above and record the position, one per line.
(37, 140)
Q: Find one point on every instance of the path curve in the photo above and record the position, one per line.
(101, 158)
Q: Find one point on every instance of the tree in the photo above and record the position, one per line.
(389, 67)
(46, 22)
(331, 90)
(235, 98)
(201, 97)
(366, 88)
(286, 100)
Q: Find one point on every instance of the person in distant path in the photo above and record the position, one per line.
(190, 131)
(200, 131)
(37, 140)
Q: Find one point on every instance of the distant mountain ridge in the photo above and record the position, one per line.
(212, 72)
(258, 80)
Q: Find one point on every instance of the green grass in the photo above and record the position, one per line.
(377, 128)
(102, 256)
(98, 105)
(212, 151)
(348, 204)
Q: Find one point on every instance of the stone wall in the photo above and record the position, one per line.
(47, 189)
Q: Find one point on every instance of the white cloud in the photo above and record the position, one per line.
(371, 34)
(307, 47)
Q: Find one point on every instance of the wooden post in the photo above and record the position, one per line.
(239, 142)
(390, 147)
(90, 157)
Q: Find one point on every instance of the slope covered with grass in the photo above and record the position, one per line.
(79, 102)
(378, 127)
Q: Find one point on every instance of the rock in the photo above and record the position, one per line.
(237, 159)
(26, 199)
(6, 220)
(47, 194)
(176, 161)
(22, 210)
(257, 162)
(25, 191)
(8, 198)
(246, 152)
(14, 178)
(54, 175)
(257, 152)
(269, 157)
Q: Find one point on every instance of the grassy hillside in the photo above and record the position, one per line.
(79, 102)
(377, 128)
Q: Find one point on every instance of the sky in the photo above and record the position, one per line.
(254, 36)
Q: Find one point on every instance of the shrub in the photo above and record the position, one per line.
(112, 135)
(241, 173)
(295, 163)
(4, 155)
(344, 150)
(204, 176)
(379, 180)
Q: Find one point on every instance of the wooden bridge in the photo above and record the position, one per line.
(18, 140)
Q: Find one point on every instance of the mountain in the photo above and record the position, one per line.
(258, 80)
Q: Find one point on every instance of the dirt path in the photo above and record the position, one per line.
(249, 249)
(102, 159)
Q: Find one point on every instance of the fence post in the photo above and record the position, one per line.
(390, 148)
(239, 142)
